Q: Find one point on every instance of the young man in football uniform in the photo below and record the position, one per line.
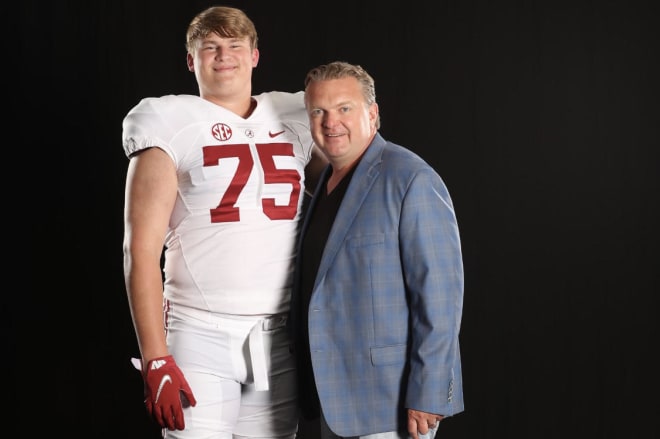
(216, 182)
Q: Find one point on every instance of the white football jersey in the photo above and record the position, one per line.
(231, 238)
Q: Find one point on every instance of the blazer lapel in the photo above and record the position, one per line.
(363, 178)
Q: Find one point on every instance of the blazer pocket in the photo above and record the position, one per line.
(365, 240)
(388, 355)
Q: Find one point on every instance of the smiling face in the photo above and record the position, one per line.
(222, 51)
(341, 121)
(223, 66)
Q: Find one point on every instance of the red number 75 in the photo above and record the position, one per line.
(226, 211)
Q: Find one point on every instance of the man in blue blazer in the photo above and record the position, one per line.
(378, 285)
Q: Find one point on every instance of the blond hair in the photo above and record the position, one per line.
(225, 21)
(342, 69)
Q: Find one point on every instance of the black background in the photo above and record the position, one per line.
(541, 117)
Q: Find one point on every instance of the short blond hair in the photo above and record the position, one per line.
(225, 21)
(342, 69)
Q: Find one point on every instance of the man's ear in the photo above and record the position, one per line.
(373, 113)
(190, 62)
(255, 57)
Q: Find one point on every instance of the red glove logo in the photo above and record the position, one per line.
(166, 392)
(165, 379)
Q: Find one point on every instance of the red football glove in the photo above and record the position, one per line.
(166, 392)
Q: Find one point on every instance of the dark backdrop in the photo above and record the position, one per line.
(542, 118)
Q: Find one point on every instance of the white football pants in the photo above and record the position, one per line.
(240, 371)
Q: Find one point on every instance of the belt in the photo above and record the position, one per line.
(257, 350)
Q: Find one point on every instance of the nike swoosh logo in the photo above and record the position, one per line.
(165, 379)
(275, 134)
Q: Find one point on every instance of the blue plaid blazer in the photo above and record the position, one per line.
(386, 307)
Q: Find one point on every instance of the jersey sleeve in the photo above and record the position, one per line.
(294, 115)
(144, 127)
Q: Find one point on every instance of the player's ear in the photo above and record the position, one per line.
(190, 62)
(255, 57)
